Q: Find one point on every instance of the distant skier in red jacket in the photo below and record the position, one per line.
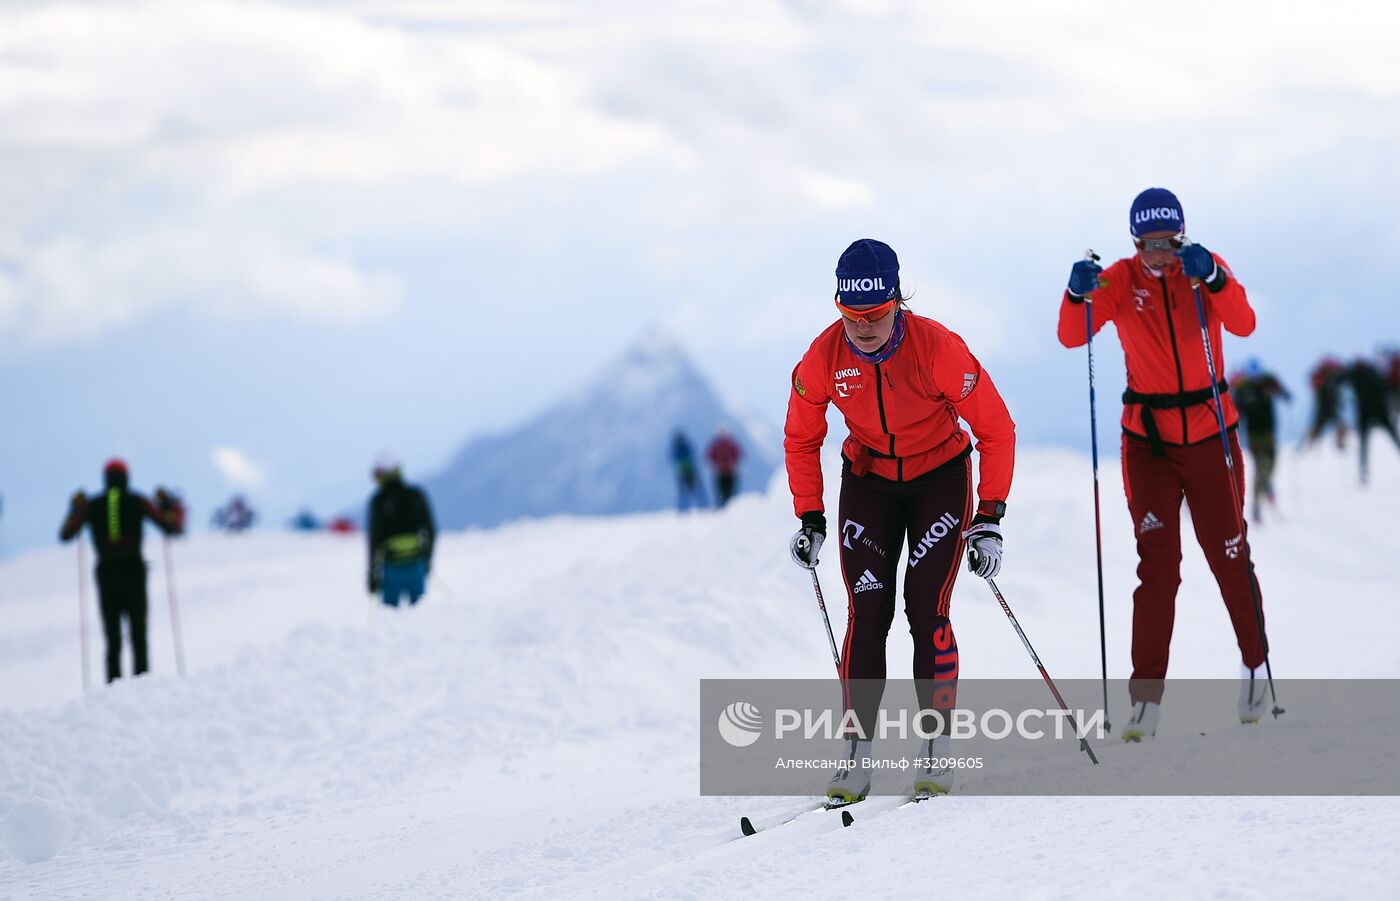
(902, 382)
(1171, 439)
(724, 454)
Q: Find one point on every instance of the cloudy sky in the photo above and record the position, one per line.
(250, 244)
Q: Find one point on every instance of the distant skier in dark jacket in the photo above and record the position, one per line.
(401, 536)
(1326, 381)
(1255, 391)
(1372, 395)
(1390, 358)
(724, 454)
(115, 519)
(688, 487)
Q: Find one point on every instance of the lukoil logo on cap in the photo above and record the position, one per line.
(860, 284)
(1142, 217)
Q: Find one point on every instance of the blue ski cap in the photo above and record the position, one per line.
(867, 274)
(1156, 210)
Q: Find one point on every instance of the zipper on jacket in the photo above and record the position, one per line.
(884, 425)
(1176, 355)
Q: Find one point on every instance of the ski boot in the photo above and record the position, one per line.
(934, 776)
(1254, 693)
(852, 780)
(1143, 723)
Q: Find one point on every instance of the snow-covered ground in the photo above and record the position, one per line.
(531, 729)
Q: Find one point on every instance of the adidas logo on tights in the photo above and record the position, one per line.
(867, 581)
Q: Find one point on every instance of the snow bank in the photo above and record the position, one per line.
(531, 727)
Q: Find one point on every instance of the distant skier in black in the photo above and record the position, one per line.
(401, 536)
(1255, 391)
(1326, 381)
(1372, 395)
(1390, 358)
(688, 487)
(115, 518)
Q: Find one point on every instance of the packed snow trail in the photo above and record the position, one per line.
(531, 728)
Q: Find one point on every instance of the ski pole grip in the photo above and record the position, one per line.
(1092, 257)
(1187, 242)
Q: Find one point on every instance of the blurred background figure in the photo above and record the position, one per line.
(1255, 391)
(305, 521)
(1326, 381)
(1371, 392)
(1390, 364)
(688, 488)
(115, 518)
(235, 516)
(401, 534)
(341, 525)
(724, 454)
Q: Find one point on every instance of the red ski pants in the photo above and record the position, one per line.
(1156, 487)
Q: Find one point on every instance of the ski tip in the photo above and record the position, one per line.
(746, 827)
(846, 818)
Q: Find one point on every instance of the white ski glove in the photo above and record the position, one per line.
(807, 543)
(984, 547)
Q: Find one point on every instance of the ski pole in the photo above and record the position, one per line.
(82, 615)
(174, 612)
(1006, 608)
(1234, 489)
(831, 639)
(821, 603)
(1098, 520)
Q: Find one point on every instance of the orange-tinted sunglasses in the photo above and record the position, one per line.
(869, 314)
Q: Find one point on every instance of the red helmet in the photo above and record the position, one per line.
(114, 465)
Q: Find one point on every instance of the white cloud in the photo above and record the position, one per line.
(72, 286)
(146, 142)
(9, 300)
(235, 466)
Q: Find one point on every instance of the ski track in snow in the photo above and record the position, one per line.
(531, 729)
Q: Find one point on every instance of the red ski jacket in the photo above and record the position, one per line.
(902, 413)
(723, 454)
(1160, 331)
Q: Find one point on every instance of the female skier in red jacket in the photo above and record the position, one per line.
(1171, 437)
(902, 382)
